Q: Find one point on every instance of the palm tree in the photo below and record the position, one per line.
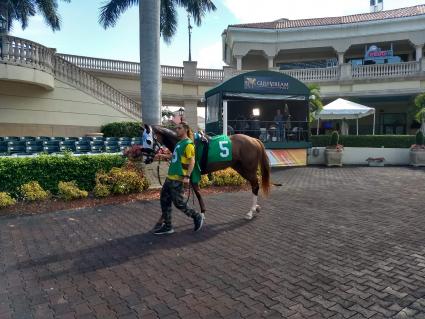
(420, 110)
(22, 10)
(157, 17)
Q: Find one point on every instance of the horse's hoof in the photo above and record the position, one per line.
(258, 208)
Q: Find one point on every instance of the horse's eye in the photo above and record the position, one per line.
(149, 142)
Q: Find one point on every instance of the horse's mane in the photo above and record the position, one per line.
(169, 137)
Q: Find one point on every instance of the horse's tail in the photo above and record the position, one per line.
(265, 170)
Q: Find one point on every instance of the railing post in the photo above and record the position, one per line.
(4, 47)
(346, 72)
(189, 73)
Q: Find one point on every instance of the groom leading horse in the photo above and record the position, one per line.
(245, 155)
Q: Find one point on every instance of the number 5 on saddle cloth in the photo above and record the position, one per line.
(210, 150)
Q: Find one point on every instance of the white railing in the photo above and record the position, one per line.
(210, 74)
(97, 64)
(23, 52)
(385, 70)
(26, 53)
(168, 71)
(314, 75)
(105, 65)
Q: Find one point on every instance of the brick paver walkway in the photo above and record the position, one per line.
(329, 243)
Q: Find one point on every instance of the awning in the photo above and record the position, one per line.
(342, 109)
(253, 96)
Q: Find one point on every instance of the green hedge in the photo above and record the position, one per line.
(49, 170)
(122, 129)
(387, 141)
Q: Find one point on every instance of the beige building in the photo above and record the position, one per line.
(375, 59)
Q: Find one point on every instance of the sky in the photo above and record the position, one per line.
(81, 33)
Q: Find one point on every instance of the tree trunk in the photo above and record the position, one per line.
(150, 76)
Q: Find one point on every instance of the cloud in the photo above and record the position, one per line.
(210, 56)
(270, 10)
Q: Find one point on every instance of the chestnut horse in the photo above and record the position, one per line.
(247, 155)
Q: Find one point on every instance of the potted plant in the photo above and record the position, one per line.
(334, 151)
(417, 151)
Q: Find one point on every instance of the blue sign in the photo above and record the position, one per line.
(263, 83)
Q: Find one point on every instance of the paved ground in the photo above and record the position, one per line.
(338, 243)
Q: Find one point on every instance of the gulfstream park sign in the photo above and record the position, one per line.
(264, 83)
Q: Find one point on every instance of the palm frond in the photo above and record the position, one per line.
(49, 10)
(112, 10)
(168, 20)
(197, 8)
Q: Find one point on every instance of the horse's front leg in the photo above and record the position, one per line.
(197, 191)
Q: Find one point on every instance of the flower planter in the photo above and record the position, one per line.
(417, 157)
(333, 157)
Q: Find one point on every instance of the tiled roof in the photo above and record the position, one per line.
(356, 18)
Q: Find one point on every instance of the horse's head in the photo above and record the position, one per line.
(150, 144)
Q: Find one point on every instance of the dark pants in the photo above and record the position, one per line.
(173, 192)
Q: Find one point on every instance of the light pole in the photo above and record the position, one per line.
(189, 27)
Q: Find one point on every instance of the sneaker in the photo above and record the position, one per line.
(164, 230)
(198, 221)
(157, 226)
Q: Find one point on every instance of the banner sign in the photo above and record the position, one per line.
(266, 84)
(287, 157)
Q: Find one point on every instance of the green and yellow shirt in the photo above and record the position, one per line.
(182, 155)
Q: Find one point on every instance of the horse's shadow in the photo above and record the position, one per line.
(120, 250)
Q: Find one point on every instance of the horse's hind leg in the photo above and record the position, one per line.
(197, 191)
(252, 178)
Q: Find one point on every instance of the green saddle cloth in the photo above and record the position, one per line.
(219, 150)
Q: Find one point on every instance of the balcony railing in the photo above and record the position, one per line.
(385, 70)
(313, 75)
(218, 75)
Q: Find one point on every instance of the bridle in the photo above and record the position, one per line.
(151, 152)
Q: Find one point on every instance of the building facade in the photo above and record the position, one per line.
(374, 58)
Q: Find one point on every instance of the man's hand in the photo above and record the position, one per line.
(163, 157)
(186, 180)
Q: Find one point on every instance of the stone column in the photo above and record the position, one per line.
(190, 70)
(419, 52)
(191, 113)
(341, 57)
(270, 60)
(239, 62)
(346, 72)
(227, 72)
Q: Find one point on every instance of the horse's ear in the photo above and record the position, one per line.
(147, 128)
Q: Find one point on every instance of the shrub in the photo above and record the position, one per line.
(32, 191)
(334, 139)
(101, 190)
(69, 191)
(120, 181)
(205, 181)
(419, 138)
(6, 200)
(122, 129)
(227, 177)
(48, 170)
(388, 141)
